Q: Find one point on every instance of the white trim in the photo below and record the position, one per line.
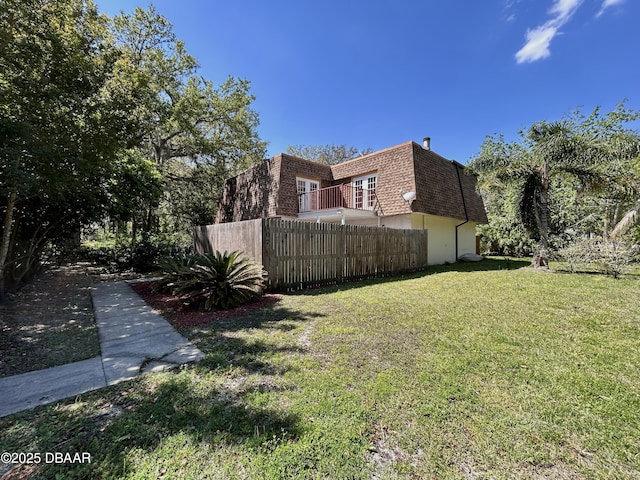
(368, 183)
(308, 186)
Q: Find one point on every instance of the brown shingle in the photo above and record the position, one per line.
(438, 188)
(394, 168)
(269, 189)
(290, 168)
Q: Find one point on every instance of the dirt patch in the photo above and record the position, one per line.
(181, 316)
(49, 322)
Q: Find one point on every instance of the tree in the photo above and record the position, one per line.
(619, 165)
(327, 154)
(134, 186)
(623, 201)
(193, 132)
(587, 151)
(96, 117)
(64, 114)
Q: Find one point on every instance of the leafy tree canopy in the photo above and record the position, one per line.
(196, 134)
(562, 178)
(107, 118)
(64, 114)
(327, 154)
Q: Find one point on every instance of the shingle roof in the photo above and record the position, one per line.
(444, 188)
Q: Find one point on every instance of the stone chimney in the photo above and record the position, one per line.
(426, 143)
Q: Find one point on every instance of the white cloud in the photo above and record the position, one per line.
(564, 9)
(509, 6)
(537, 46)
(538, 40)
(606, 4)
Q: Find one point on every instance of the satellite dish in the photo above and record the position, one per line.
(409, 197)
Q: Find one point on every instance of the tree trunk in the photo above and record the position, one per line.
(148, 227)
(134, 230)
(4, 241)
(541, 258)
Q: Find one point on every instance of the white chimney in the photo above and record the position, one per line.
(426, 143)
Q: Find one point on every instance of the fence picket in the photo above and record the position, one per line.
(302, 254)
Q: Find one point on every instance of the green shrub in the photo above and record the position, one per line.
(615, 259)
(145, 255)
(212, 281)
(120, 255)
(579, 254)
(114, 255)
(610, 258)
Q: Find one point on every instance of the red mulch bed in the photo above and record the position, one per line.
(182, 316)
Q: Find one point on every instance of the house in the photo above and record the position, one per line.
(407, 186)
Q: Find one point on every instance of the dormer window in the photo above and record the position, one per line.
(307, 201)
(364, 191)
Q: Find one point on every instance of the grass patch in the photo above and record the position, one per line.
(49, 322)
(466, 371)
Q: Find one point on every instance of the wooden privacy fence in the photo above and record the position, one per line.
(304, 254)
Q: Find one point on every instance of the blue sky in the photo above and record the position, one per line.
(379, 73)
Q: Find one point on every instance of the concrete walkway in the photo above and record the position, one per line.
(134, 339)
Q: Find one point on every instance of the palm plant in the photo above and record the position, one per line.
(626, 222)
(581, 148)
(555, 150)
(630, 217)
(550, 149)
(213, 280)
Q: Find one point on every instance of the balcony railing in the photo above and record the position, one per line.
(338, 196)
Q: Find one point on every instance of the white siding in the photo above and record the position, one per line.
(402, 222)
(442, 234)
(442, 239)
(467, 238)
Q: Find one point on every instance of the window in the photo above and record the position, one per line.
(307, 201)
(364, 192)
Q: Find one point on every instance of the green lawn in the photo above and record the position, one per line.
(472, 371)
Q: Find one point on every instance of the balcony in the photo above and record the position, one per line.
(337, 199)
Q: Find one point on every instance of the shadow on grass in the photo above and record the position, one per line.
(209, 404)
(225, 349)
(564, 268)
(147, 417)
(34, 345)
(488, 264)
(48, 322)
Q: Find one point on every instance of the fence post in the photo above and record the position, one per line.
(298, 255)
(341, 247)
(266, 258)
